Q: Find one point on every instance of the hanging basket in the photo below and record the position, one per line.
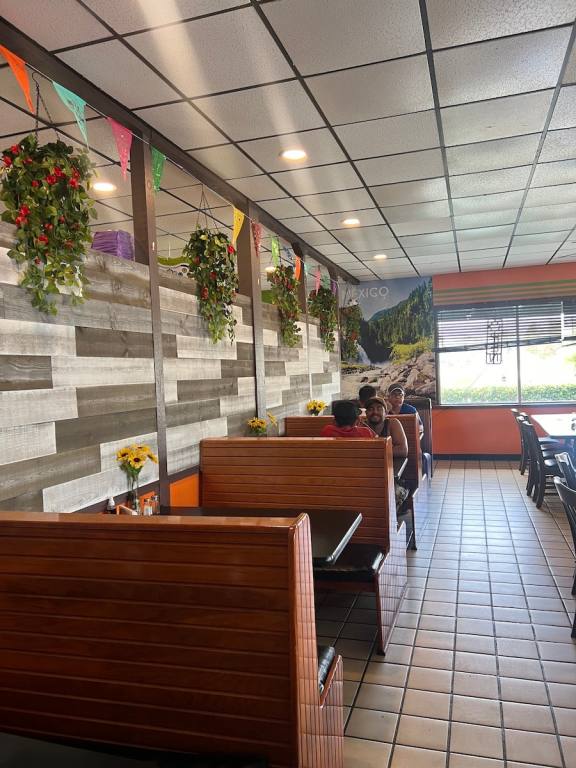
(322, 304)
(284, 297)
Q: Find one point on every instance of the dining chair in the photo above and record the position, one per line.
(542, 467)
(564, 461)
(524, 456)
(568, 498)
(547, 443)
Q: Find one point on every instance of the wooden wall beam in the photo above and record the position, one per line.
(303, 301)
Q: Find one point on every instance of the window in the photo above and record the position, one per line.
(511, 353)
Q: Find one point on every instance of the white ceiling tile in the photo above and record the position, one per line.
(16, 122)
(106, 214)
(440, 238)
(488, 219)
(390, 135)
(486, 203)
(367, 217)
(565, 110)
(486, 253)
(368, 256)
(559, 172)
(123, 204)
(333, 202)
(258, 188)
(331, 250)
(183, 125)
(319, 144)
(542, 237)
(559, 145)
(49, 23)
(367, 238)
(302, 224)
(492, 155)
(547, 225)
(570, 73)
(487, 242)
(411, 192)
(534, 250)
(415, 165)
(165, 203)
(138, 85)
(482, 233)
(526, 259)
(100, 137)
(197, 196)
(564, 193)
(325, 178)
(438, 269)
(453, 22)
(227, 161)
(490, 182)
(113, 174)
(496, 119)
(501, 67)
(423, 227)
(541, 212)
(418, 212)
(428, 252)
(132, 15)
(186, 53)
(373, 91)
(319, 238)
(373, 31)
(283, 209)
(173, 177)
(265, 111)
(481, 265)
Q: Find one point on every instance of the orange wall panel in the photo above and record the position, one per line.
(185, 492)
(544, 273)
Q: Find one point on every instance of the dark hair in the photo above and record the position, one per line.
(345, 413)
(366, 392)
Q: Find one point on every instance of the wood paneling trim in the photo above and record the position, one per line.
(25, 372)
(94, 430)
(97, 342)
(115, 399)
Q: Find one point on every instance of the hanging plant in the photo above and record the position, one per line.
(44, 188)
(350, 319)
(284, 296)
(323, 305)
(210, 259)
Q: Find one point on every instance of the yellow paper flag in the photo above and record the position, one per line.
(238, 221)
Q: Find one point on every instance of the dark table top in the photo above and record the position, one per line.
(330, 529)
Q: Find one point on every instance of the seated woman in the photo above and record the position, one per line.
(346, 414)
(385, 426)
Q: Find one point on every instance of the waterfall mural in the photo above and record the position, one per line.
(396, 338)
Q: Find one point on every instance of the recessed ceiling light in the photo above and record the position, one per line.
(103, 186)
(351, 222)
(381, 256)
(270, 269)
(293, 154)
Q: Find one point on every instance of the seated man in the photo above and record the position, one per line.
(396, 395)
(384, 426)
(346, 414)
(365, 393)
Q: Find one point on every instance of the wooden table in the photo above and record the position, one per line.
(330, 529)
(557, 425)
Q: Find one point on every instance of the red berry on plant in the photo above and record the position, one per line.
(42, 239)
(48, 227)
(15, 149)
(204, 293)
(73, 183)
(28, 160)
(61, 219)
(51, 179)
(231, 249)
(24, 210)
(35, 183)
(7, 161)
(58, 172)
(18, 220)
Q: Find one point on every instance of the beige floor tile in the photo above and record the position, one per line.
(382, 697)
(536, 748)
(395, 654)
(518, 649)
(371, 724)
(432, 658)
(360, 753)
(523, 669)
(569, 750)
(482, 686)
(523, 691)
(467, 709)
(476, 740)
(469, 761)
(386, 674)
(562, 695)
(565, 652)
(426, 704)
(527, 717)
(439, 680)
(403, 636)
(479, 663)
(350, 688)
(429, 639)
(422, 732)
(475, 644)
(559, 672)
(353, 669)
(411, 757)
(566, 720)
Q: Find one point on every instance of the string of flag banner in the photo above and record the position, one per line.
(123, 139)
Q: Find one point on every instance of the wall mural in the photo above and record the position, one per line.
(396, 339)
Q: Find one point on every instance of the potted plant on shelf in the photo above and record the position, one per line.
(210, 258)
(315, 407)
(323, 305)
(131, 459)
(283, 293)
(45, 191)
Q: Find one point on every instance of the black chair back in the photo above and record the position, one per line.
(567, 468)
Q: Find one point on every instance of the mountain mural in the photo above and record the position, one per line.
(407, 322)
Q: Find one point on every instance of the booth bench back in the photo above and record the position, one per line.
(168, 633)
(301, 474)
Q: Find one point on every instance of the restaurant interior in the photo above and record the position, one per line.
(226, 225)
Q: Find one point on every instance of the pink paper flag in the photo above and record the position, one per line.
(123, 137)
(318, 277)
(257, 235)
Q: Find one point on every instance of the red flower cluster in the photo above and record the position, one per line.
(51, 179)
(7, 160)
(42, 239)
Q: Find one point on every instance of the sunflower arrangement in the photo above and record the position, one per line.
(131, 459)
(259, 427)
(315, 407)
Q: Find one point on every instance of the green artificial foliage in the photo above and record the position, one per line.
(284, 296)
(45, 191)
(324, 305)
(350, 319)
(211, 262)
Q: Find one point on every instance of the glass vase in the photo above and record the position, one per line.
(134, 492)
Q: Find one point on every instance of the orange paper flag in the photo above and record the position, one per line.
(297, 267)
(18, 67)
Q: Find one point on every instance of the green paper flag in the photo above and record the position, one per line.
(275, 250)
(76, 105)
(158, 160)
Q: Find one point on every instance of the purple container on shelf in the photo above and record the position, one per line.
(114, 241)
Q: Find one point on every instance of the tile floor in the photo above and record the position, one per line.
(481, 671)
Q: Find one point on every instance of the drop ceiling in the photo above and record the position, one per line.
(447, 128)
